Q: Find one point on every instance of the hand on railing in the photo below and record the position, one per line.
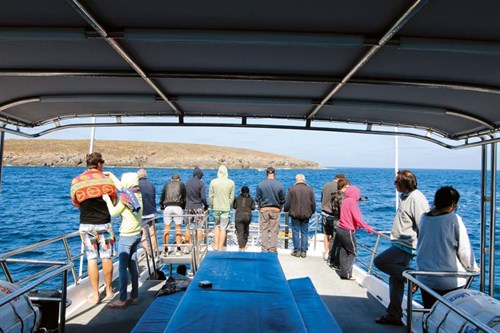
(379, 233)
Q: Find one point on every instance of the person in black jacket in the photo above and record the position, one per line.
(173, 201)
(196, 203)
(244, 204)
(300, 204)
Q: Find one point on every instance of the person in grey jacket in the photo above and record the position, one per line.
(300, 203)
(443, 246)
(399, 256)
(270, 198)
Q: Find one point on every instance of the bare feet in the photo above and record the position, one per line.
(94, 299)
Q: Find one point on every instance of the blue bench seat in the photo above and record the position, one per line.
(158, 314)
(315, 314)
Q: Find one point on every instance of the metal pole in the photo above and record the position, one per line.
(484, 202)
(409, 307)
(64, 297)
(92, 137)
(396, 163)
(286, 231)
(2, 137)
(492, 218)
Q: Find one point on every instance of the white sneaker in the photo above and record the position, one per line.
(186, 251)
(178, 253)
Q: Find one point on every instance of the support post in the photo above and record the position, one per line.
(482, 246)
(493, 195)
(2, 139)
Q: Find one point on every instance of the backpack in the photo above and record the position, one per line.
(337, 198)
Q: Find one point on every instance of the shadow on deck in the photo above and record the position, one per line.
(99, 318)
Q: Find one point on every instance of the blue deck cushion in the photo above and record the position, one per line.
(158, 314)
(249, 293)
(316, 316)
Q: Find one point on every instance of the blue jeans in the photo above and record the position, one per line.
(394, 262)
(300, 230)
(127, 259)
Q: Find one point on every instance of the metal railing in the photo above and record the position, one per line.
(412, 279)
(56, 269)
(381, 235)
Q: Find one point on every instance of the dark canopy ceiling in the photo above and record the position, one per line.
(430, 65)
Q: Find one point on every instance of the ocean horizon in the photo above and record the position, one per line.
(35, 202)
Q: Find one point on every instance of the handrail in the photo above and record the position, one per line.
(410, 276)
(374, 252)
(6, 257)
(54, 272)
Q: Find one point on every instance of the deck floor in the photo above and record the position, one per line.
(354, 309)
(351, 305)
(98, 318)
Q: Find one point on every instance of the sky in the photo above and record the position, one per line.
(329, 149)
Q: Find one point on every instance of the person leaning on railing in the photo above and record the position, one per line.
(350, 221)
(443, 246)
(396, 259)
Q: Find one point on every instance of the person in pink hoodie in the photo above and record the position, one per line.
(350, 221)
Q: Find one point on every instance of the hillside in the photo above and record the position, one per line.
(42, 152)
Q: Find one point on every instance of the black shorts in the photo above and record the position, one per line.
(329, 224)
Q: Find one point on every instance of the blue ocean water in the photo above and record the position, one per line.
(35, 203)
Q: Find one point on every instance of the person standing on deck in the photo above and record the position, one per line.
(196, 202)
(337, 198)
(350, 221)
(330, 221)
(95, 229)
(130, 209)
(243, 205)
(404, 233)
(270, 197)
(300, 203)
(148, 193)
(221, 196)
(173, 201)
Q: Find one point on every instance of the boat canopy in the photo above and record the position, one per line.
(431, 68)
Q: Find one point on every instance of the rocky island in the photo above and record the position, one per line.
(42, 152)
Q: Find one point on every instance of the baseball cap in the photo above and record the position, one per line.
(270, 170)
(176, 176)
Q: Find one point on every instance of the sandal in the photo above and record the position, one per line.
(386, 320)
(132, 301)
(117, 305)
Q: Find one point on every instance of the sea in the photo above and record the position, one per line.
(35, 202)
